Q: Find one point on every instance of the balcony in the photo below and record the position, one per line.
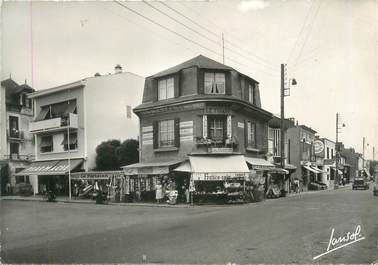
(18, 157)
(54, 124)
(15, 135)
(217, 145)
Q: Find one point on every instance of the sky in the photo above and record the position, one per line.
(329, 47)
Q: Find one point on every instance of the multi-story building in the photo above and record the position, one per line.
(302, 155)
(324, 150)
(72, 119)
(353, 160)
(206, 113)
(16, 144)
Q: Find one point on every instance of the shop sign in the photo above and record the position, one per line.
(220, 150)
(217, 176)
(318, 146)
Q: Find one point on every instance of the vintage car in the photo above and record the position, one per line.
(359, 183)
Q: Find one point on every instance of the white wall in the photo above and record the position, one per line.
(106, 98)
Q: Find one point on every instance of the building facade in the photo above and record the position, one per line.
(353, 160)
(204, 113)
(302, 154)
(72, 119)
(16, 143)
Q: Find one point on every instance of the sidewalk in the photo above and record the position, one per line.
(67, 200)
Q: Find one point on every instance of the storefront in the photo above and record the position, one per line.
(51, 175)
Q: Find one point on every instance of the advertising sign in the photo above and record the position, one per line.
(318, 146)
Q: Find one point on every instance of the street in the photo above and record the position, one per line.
(286, 230)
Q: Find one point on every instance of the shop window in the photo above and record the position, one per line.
(166, 88)
(216, 127)
(166, 133)
(251, 134)
(22, 179)
(70, 144)
(215, 83)
(46, 144)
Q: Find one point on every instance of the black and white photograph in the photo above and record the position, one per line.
(189, 132)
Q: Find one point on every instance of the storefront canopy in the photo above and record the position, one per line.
(184, 167)
(153, 168)
(340, 172)
(311, 169)
(278, 170)
(53, 167)
(317, 169)
(259, 163)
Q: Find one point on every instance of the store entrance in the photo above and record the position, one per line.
(57, 184)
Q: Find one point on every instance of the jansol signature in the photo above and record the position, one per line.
(342, 241)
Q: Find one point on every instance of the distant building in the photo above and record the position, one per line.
(353, 160)
(302, 155)
(72, 119)
(16, 143)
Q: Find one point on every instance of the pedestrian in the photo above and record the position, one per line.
(76, 191)
(8, 188)
(158, 192)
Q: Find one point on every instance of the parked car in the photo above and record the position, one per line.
(359, 183)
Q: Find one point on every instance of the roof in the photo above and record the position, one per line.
(275, 122)
(199, 61)
(308, 128)
(80, 83)
(12, 88)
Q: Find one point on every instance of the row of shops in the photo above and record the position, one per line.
(199, 179)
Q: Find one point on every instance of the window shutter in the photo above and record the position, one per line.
(246, 90)
(201, 81)
(229, 126)
(177, 132)
(177, 84)
(155, 132)
(228, 84)
(154, 90)
(246, 133)
(204, 126)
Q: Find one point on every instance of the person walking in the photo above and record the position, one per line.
(159, 192)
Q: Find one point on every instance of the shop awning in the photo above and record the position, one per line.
(184, 167)
(153, 168)
(53, 167)
(278, 170)
(97, 175)
(317, 169)
(210, 168)
(259, 163)
(340, 172)
(311, 169)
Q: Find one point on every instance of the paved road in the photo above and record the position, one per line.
(287, 230)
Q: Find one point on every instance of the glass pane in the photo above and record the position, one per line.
(170, 88)
(220, 81)
(162, 89)
(209, 81)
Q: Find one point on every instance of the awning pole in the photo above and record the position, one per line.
(69, 159)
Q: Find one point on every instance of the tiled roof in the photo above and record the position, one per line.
(199, 61)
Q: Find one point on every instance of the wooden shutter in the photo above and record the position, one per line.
(201, 81)
(228, 84)
(177, 132)
(154, 90)
(204, 126)
(177, 84)
(246, 133)
(155, 134)
(246, 90)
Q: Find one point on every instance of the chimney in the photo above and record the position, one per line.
(118, 69)
(97, 74)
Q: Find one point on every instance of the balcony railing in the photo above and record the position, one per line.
(216, 143)
(18, 157)
(14, 134)
(54, 124)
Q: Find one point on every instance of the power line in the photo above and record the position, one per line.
(195, 31)
(309, 33)
(301, 31)
(182, 36)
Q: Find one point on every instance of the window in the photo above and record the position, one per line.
(251, 134)
(166, 133)
(327, 152)
(14, 150)
(215, 83)
(46, 144)
(72, 142)
(22, 179)
(331, 153)
(251, 94)
(216, 128)
(166, 89)
(13, 127)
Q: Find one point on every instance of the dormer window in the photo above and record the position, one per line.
(215, 83)
(166, 88)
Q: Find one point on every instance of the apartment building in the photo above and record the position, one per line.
(72, 119)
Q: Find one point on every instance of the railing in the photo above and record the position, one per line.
(15, 134)
(54, 124)
(217, 143)
(18, 157)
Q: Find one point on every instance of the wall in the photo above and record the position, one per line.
(188, 146)
(3, 134)
(59, 153)
(106, 98)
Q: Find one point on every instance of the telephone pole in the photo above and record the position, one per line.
(223, 47)
(282, 131)
(363, 152)
(373, 153)
(336, 185)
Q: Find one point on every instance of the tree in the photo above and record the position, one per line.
(111, 154)
(128, 152)
(106, 155)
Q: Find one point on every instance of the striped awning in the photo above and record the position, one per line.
(53, 167)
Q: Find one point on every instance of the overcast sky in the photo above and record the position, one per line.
(330, 47)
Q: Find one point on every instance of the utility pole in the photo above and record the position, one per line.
(282, 143)
(373, 153)
(223, 47)
(336, 185)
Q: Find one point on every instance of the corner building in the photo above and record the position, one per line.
(200, 121)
